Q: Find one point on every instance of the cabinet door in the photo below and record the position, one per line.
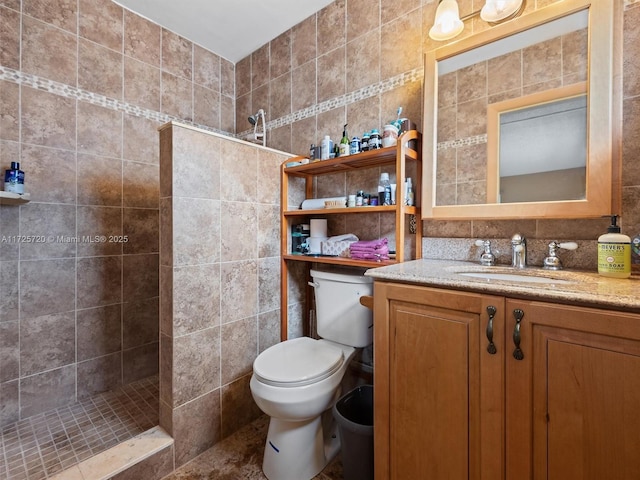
(573, 400)
(439, 390)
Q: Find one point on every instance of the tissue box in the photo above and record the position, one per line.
(340, 249)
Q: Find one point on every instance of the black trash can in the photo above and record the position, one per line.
(354, 414)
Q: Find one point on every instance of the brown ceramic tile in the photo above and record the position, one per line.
(9, 106)
(243, 76)
(196, 427)
(177, 96)
(51, 176)
(472, 82)
(280, 138)
(243, 110)
(238, 280)
(45, 391)
(363, 61)
(268, 329)
(140, 185)
(542, 62)
(259, 99)
(447, 88)
(39, 58)
(631, 51)
(60, 13)
(260, 66)
(102, 23)
(397, 9)
(303, 86)
(10, 249)
(196, 365)
(99, 281)
(141, 84)
(196, 298)
(99, 181)
(227, 114)
(141, 140)
(10, 411)
(46, 342)
(206, 109)
(48, 119)
(268, 231)
(280, 96)
(206, 71)
(238, 168)
(139, 362)
(166, 232)
(99, 130)
(409, 97)
(140, 229)
(280, 54)
(332, 27)
(303, 42)
(177, 55)
(140, 276)
(394, 36)
(9, 351)
(471, 193)
(236, 217)
(631, 143)
(140, 322)
(303, 134)
(331, 74)
(239, 347)
(103, 323)
(195, 232)
(9, 284)
(141, 39)
(98, 375)
(227, 78)
(575, 50)
(238, 407)
(362, 116)
(363, 17)
(9, 38)
(268, 284)
(99, 70)
(155, 467)
(46, 286)
(196, 164)
(472, 118)
(54, 228)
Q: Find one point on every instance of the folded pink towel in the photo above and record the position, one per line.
(369, 256)
(370, 243)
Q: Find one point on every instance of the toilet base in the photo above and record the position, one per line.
(299, 450)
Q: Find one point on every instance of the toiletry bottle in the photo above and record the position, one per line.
(14, 179)
(344, 143)
(326, 148)
(614, 252)
(384, 189)
(409, 192)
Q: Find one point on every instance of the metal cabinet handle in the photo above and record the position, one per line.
(517, 353)
(491, 348)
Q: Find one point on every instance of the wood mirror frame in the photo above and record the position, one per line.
(604, 87)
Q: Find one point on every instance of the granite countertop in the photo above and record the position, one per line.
(572, 286)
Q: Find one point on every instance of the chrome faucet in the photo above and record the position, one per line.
(518, 251)
(487, 258)
(551, 261)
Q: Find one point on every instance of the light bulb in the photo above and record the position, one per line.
(447, 23)
(496, 10)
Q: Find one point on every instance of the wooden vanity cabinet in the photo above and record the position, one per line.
(447, 408)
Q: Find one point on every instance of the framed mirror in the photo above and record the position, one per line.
(523, 120)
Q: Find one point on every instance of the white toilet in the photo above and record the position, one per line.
(296, 381)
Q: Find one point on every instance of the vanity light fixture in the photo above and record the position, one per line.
(448, 23)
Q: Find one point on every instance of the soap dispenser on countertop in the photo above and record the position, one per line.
(614, 252)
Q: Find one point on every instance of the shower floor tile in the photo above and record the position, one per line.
(38, 447)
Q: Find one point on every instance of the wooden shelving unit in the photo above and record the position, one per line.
(397, 156)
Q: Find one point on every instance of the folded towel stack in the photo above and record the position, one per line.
(370, 249)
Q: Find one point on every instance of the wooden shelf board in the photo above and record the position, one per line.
(349, 262)
(10, 198)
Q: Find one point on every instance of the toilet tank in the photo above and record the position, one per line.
(339, 315)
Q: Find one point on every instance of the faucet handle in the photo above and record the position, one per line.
(552, 262)
(487, 258)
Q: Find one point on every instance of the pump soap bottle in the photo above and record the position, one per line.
(614, 252)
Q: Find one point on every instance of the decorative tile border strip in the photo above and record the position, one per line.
(69, 91)
(463, 142)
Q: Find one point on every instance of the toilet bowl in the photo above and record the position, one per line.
(296, 382)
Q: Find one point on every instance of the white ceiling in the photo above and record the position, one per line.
(230, 28)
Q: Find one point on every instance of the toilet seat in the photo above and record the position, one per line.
(297, 362)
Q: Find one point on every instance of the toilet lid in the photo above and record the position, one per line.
(297, 362)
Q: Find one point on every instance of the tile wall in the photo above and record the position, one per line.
(356, 61)
(220, 281)
(84, 85)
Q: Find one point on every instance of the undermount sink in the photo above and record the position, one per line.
(513, 277)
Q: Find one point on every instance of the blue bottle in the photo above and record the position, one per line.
(14, 179)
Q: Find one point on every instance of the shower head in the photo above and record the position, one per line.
(253, 119)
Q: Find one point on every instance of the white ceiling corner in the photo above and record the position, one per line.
(231, 29)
